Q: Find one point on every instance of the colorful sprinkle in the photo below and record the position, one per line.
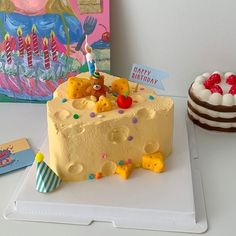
(91, 176)
(134, 120)
(92, 114)
(128, 161)
(121, 163)
(104, 156)
(100, 116)
(63, 100)
(98, 175)
(121, 111)
(151, 98)
(130, 138)
(76, 116)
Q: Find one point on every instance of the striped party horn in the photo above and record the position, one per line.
(46, 179)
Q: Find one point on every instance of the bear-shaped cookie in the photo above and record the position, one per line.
(97, 87)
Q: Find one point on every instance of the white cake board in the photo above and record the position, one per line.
(146, 201)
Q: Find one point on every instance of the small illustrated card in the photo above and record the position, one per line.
(148, 76)
(15, 155)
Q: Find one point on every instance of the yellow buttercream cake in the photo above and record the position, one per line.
(91, 139)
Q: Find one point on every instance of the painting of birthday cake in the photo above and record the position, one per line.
(41, 45)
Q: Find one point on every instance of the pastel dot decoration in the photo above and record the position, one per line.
(151, 98)
(39, 157)
(63, 100)
(76, 116)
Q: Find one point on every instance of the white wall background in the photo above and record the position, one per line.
(182, 37)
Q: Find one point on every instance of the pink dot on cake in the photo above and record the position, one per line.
(92, 114)
(134, 120)
(121, 111)
(130, 138)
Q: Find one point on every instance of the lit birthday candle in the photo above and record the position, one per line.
(90, 58)
(53, 46)
(29, 51)
(20, 41)
(8, 48)
(35, 40)
(46, 54)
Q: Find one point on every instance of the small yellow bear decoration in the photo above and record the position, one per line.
(104, 104)
(120, 86)
(154, 162)
(77, 87)
(124, 170)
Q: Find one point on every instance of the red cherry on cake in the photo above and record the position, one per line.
(216, 89)
(124, 102)
(212, 80)
(233, 90)
(231, 80)
(209, 83)
(216, 78)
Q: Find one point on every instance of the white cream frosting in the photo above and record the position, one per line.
(211, 123)
(215, 114)
(205, 95)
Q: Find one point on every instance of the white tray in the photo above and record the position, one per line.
(146, 201)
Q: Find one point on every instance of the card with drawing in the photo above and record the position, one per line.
(15, 155)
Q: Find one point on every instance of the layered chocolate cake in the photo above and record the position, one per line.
(212, 101)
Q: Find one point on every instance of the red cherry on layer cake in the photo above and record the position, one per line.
(216, 78)
(212, 80)
(216, 89)
(231, 80)
(209, 83)
(233, 90)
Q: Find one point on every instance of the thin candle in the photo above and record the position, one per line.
(8, 48)
(90, 58)
(29, 51)
(35, 40)
(46, 54)
(53, 46)
(20, 42)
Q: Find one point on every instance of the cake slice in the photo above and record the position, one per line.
(84, 144)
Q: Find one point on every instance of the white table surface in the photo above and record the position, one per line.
(217, 164)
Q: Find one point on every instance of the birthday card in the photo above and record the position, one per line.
(42, 44)
(15, 155)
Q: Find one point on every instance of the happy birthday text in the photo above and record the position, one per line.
(143, 75)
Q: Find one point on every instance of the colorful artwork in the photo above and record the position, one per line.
(42, 44)
(15, 155)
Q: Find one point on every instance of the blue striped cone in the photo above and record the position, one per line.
(46, 179)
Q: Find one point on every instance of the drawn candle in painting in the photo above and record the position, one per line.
(46, 54)
(29, 51)
(35, 40)
(53, 46)
(90, 58)
(8, 48)
(20, 41)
